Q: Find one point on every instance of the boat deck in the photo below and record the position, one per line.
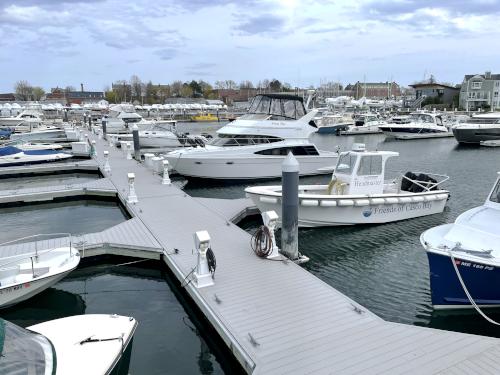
(274, 316)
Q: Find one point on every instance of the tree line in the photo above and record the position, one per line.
(25, 91)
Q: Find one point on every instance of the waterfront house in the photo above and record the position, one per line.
(480, 91)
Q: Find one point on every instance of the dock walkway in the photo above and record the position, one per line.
(274, 316)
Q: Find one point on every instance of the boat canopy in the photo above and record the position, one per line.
(9, 150)
(25, 352)
(278, 106)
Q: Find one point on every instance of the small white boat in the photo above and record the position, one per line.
(12, 156)
(365, 124)
(23, 276)
(24, 120)
(76, 345)
(464, 257)
(38, 132)
(358, 194)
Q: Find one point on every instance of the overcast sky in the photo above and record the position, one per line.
(303, 42)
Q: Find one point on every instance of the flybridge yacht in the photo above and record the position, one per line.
(123, 116)
(23, 121)
(255, 144)
(478, 129)
(423, 123)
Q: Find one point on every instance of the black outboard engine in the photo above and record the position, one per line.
(406, 185)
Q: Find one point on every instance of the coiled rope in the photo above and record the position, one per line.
(262, 242)
(471, 300)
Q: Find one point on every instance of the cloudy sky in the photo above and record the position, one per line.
(303, 42)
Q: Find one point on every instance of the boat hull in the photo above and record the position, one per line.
(475, 136)
(246, 168)
(480, 279)
(317, 212)
(331, 129)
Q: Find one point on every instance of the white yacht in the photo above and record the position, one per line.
(123, 116)
(77, 345)
(358, 193)
(12, 156)
(419, 125)
(24, 121)
(477, 129)
(254, 145)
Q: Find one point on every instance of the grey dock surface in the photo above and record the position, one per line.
(274, 316)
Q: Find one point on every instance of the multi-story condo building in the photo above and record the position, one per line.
(480, 91)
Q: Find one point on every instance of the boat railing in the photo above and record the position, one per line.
(41, 245)
(253, 141)
(427, 185)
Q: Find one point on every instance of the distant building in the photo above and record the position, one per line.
(445, 93)
(374, 90)
(480, 91)
(229, 96)
(9, 97)
(68, 97)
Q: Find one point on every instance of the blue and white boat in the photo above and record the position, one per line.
(464, 257)
(12, 156)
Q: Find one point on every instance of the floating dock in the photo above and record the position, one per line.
(274, 316)
(422, 135)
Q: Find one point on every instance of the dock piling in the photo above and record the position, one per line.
(290, 207)
(104, 122)
(137, 147)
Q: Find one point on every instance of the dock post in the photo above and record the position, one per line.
(148, 160)
(90, 121)
(270, 219)
(128, 147)
(131, 197)
(92, 148)
(137, 147)
(107, 167)
(166, 179)
(290, 207)
(202, 275)
(65, 115)
(104, 122)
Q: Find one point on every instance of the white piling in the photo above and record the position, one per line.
(128, 146)
(132, 197)
(202, 275)
(166, 179)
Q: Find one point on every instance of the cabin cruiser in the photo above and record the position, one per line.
(25, 275)
(77, 345)
(24, 121)
(464, 257)
(254, 145)
(358, 193)
(122, 117)
(367, 123)
(331, 123)
(419, 124)
(11, 156)
(477, 129)
(159, 136)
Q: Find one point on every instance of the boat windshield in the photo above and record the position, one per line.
(495, 194)
(279, 107)
(422, 117)
(25, 352)
(228, 140)
(346, 163)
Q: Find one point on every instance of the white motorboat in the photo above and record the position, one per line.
(358, 194)
(254, 145)
(33, 146)
(478, 129)
(23, 276)
(38, 132)
(123, 116)
(464, 257)
(23, 121)
(76, 345)
(419, 125)
(11, 156)
(368, 123)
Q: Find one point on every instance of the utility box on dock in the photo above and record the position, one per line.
(80, 148)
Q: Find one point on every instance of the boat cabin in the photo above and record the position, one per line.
(493, 200)
(275, 107)
(361, 172)
(426, 118)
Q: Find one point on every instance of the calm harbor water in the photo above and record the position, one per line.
(383, 267)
